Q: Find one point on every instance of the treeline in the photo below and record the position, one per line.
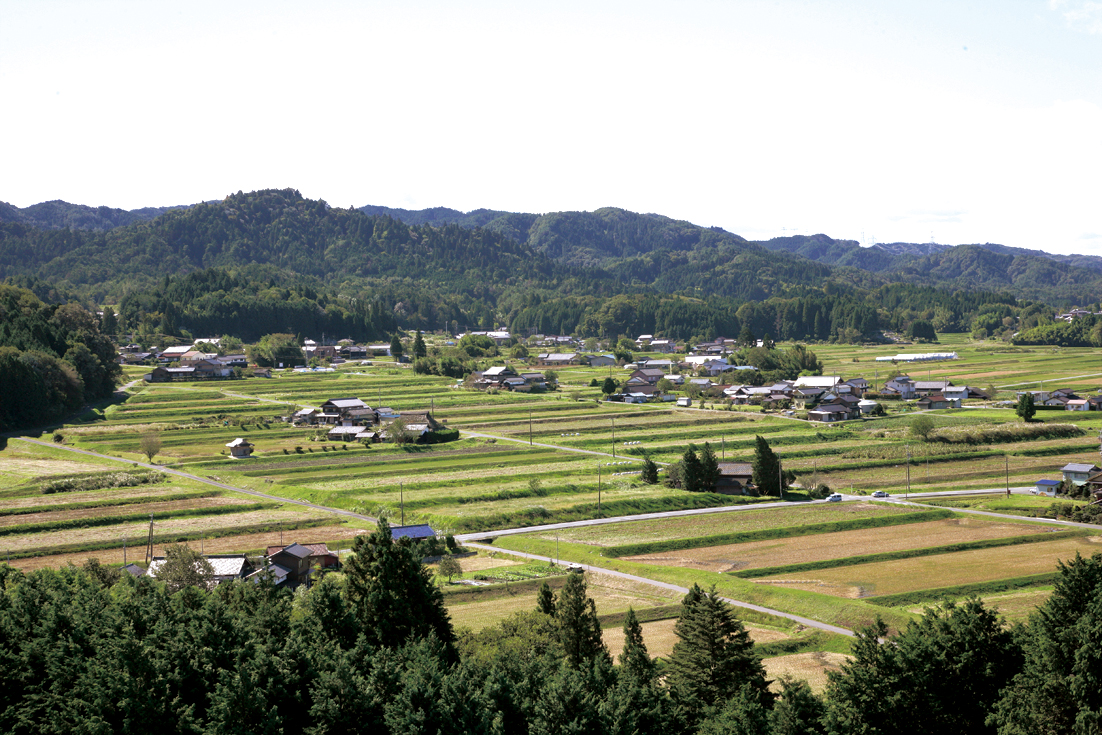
(52, 359)
(373, 651)
(1084, 331)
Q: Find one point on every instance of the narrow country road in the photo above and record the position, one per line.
(807, 622)
(204, 480)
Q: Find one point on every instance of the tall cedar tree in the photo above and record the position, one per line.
(944, 673)
(709, 468)
(798, 710)
(650, 471)
(396, 347)
(545, 600)
(691, 470)
(634, 660)
(713, 657)
(392, 594)
(767, 468)
(580, 631)
(419, 349)
(1059, 689)
(1026, 410)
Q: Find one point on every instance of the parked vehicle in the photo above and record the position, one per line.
(684, 401)
(834, 498)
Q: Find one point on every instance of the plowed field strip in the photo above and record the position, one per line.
(165, 507)
(824, 546)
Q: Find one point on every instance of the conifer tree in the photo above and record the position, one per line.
(396, 347)
(691, 470)
(709, 468)
(650, 471)
(392, 594)
(580, 631)
(419, 349)
(634, 660)
(714, 656)
(766, 468)
(545, 600)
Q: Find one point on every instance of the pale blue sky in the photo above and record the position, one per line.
(967, 121)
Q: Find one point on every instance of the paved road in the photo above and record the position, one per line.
(807, 622)
(204, 480)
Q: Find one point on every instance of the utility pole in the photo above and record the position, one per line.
(402, 500)
(908, 473)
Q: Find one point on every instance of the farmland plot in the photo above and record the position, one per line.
(842, 544)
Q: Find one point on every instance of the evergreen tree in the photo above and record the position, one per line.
(608, 386)
(709, 468)
(634, 660)
(109, 324)
(767, 468)
(392, 594)
(545, 600)
(580, 631)
(650, 471)
(691, 471)
(396, 347)
(743, 714)
(713, 657)
(797, 711)
(1025, 409)
(419, 349)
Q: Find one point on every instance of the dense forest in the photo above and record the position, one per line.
(95, 650)
(272, 261)
(53, 358)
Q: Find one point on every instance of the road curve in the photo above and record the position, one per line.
(204, 480)
(806, 622)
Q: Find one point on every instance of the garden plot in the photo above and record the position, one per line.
(668, 529)
(942, 570)
(820, 547)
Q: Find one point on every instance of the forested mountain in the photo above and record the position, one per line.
(57, 214)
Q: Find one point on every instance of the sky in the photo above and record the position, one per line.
(948, 121)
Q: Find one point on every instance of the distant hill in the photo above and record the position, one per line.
(56, 215)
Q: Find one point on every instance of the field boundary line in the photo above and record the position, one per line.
(806, 622)
(204, 480)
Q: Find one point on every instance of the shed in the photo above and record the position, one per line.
(734, 477)
(416, 533)
(240, 448)
(1047, 487)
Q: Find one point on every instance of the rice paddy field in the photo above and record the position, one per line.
(526, 459)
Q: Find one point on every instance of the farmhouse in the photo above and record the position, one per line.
(832, 412)
(320, 555)
(824, 382)
(227, 567)
(734, 478)
(1079, 473)
(937, 401)
(558, 359)
(601, 360)
(930, 387)
(901, 386)
(297, 560)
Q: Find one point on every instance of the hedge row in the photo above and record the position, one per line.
(848, 561)
(102, 482)
(651, 547)
(111, 520)
(906, 599)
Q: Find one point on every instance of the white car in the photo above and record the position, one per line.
(880, 494)
(834, 498)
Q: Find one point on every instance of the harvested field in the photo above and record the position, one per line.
(715, 523)
(165, 507)
(812, 667)
(223, 545)
(1016, 607)
(27, 469)
(610, 593)
(119, 494)
(824, 546)
(659, 638)
(482, 562)
(215, 525)
(942, 570)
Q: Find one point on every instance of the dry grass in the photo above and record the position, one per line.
(25, 469)
(34, 501)
(611, 595)
(167, 506)
(942, 570)
(812, 667)
(222, 545)
(483, 562)
(1017, 606)
(709, 524)
(214, 525)
(777, 552)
